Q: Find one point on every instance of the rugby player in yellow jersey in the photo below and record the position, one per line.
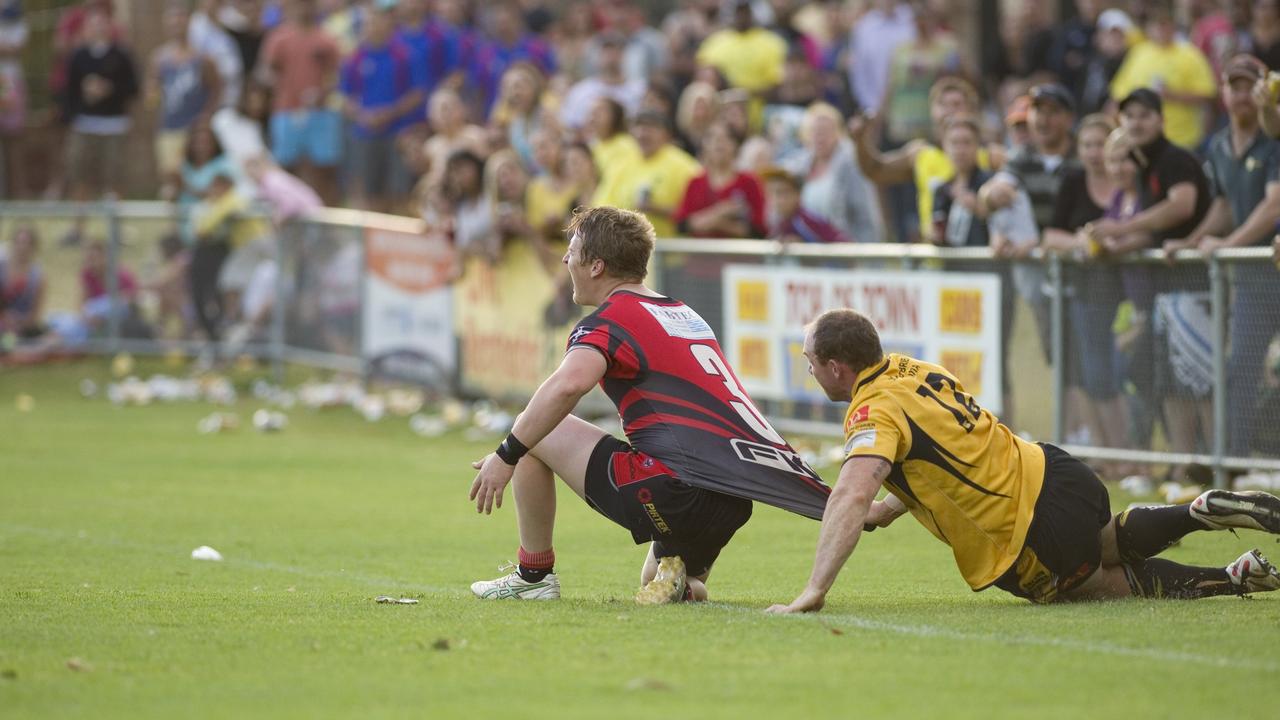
(1025, 517)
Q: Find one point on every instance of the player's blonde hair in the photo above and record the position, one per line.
(623, 239)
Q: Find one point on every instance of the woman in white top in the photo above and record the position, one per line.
(835, 189)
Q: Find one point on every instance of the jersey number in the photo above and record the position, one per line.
(968, 412)
(712, 364)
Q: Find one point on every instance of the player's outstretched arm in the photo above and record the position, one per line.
(580, 370)
(847, 510)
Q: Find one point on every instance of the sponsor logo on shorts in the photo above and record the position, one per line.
(644, 496)
(658, 522)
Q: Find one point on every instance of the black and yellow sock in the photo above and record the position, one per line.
(1156, 578)
(1144, 532)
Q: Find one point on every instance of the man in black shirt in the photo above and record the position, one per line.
(1174, 194)
(1173, 189)
(102, 82)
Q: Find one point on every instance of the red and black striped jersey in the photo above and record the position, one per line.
(681, 403)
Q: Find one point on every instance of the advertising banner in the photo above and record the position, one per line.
(408, 306)
(952, 319)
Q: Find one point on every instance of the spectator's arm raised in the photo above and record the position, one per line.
(891, 168)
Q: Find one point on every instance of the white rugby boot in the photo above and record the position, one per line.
(1252, 572)
(1227, 510)
(667, 585)
(513, 587)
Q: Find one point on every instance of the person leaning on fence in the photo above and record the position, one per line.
(1244, 175)
(1095, 284)
(1174, 197)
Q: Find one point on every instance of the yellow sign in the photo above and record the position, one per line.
(966, 365)
(753, 301)
(960, 311)
(753, 358)
(509, 323)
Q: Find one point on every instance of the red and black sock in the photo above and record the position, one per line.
(534, 567)
(1144, 532)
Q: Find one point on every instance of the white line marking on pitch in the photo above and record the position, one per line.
(1087, 646)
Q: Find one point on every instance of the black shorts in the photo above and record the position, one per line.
(639, 493)
(1062, 548)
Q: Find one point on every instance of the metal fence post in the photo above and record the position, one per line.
(278, 308)
(113, 280)
(1218, 298)
(366, 368)
(1057, 350)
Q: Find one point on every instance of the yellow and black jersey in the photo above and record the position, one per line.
(961, 473)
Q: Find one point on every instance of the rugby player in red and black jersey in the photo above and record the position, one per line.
(698, 453)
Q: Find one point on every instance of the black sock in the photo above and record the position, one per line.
(532, 575)
(1156, 578)
(1144, 532)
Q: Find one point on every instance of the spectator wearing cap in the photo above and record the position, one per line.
(872, 42)
(920, 161)
(1243, 164)
(788, 220)
(1175, 70)
(607, 81)
(654, 180)
(508, 42)
(1038, 169)
(383, 89)
(1111, 45)
(722, 202)
(300, 61)
(1174, 197)
(750, 57)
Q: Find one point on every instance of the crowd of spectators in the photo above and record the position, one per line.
(806, 122)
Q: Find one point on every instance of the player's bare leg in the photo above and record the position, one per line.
(564, 452)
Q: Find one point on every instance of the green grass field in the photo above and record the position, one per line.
(101, 506)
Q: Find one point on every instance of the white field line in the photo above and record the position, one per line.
(380, 584)
(834, 620)
(1084, 646)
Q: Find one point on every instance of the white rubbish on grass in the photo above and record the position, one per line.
(88, 388)
(218, 422)
(1137, 485)
(204, 552)
(428, 425)
(269, 420)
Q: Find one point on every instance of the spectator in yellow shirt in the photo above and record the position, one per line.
(749, 57)
(1177, 71)
(654, 181)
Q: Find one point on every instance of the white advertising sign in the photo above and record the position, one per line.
(951, 319)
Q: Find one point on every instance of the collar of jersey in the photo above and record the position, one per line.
(870, 374)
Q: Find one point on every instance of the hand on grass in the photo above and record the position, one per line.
(809, 601)
(492, 479)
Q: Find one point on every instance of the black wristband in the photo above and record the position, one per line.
(511, 450)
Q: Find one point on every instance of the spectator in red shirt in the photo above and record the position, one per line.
(722, 202)
(300, 59)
